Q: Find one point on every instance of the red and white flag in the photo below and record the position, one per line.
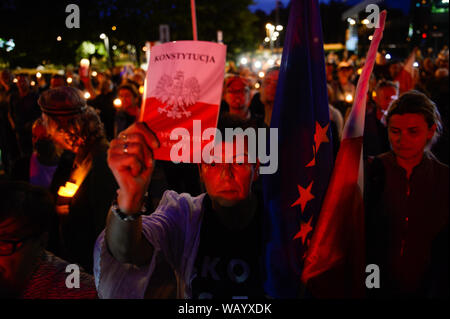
(334, 263)
(183, 84)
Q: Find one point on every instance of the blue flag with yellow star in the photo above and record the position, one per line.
(294, 194)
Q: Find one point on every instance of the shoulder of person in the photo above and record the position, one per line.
(183, 204)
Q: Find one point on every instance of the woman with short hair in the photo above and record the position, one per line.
(407, 203)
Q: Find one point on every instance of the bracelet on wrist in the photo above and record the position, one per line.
(126, 217)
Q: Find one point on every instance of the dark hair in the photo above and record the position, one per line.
(130, 87)
(31, 205)
(232, 121)
(227, 120)
(385, 83)
(417, 103)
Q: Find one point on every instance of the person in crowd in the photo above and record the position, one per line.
(336, 123)
(104, 103)
(57, 80)
(211, 243)
(39, 168)
(262, 103)
(74, 126)
(406, 203)
(343, 88)
(129, 109)
(9, 147)
(24, 111)
(237, 98)
(27, 269)
(375, 132)
(329, 71)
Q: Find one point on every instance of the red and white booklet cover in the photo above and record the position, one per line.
(183, 84)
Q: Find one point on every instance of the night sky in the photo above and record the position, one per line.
(269, 5)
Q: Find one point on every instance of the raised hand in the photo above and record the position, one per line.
(130, 158)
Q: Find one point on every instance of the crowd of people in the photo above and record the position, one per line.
(141, 228)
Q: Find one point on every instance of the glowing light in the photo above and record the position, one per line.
(387, 56)
(424, 35)
(266, 39)
(114, 28)
(15, 80)
(349, 98)
(351, 21)
(114, 47)
(261, 74)
(58, 38)
(94, 73)
(276, 34)
(117, 102)
(257, 85)
(69, 80)
(38, 75)
(257, 64)
(68, 190)
(87, 95)
(270, 27)
(374, 94)
(103, 36)
(32, 83)
(84, 63)
(416, 64)
(141, 89)
(244, 61)
(144, 48)
(370, 37)
(270, 62)
(365, 21)
(359, 71)
(279, 28)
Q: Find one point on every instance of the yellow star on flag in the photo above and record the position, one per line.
(305, 196)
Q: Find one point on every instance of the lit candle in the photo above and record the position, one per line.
(68, 190)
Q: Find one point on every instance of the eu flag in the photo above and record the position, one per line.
(293, 195)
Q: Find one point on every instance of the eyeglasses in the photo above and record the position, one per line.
(9, 247)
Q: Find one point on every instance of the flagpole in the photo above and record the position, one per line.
(194, 20)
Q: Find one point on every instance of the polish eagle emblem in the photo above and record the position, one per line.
(177, 94)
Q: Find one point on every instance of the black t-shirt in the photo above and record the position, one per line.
(229, 262)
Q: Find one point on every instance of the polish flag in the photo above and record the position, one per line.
(183, 84)
(334, 262)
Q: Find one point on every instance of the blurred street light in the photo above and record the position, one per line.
(58, 38)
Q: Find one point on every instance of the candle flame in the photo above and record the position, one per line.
(68, 190)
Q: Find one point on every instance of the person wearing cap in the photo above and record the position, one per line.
(76, 127)
(343, 88)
